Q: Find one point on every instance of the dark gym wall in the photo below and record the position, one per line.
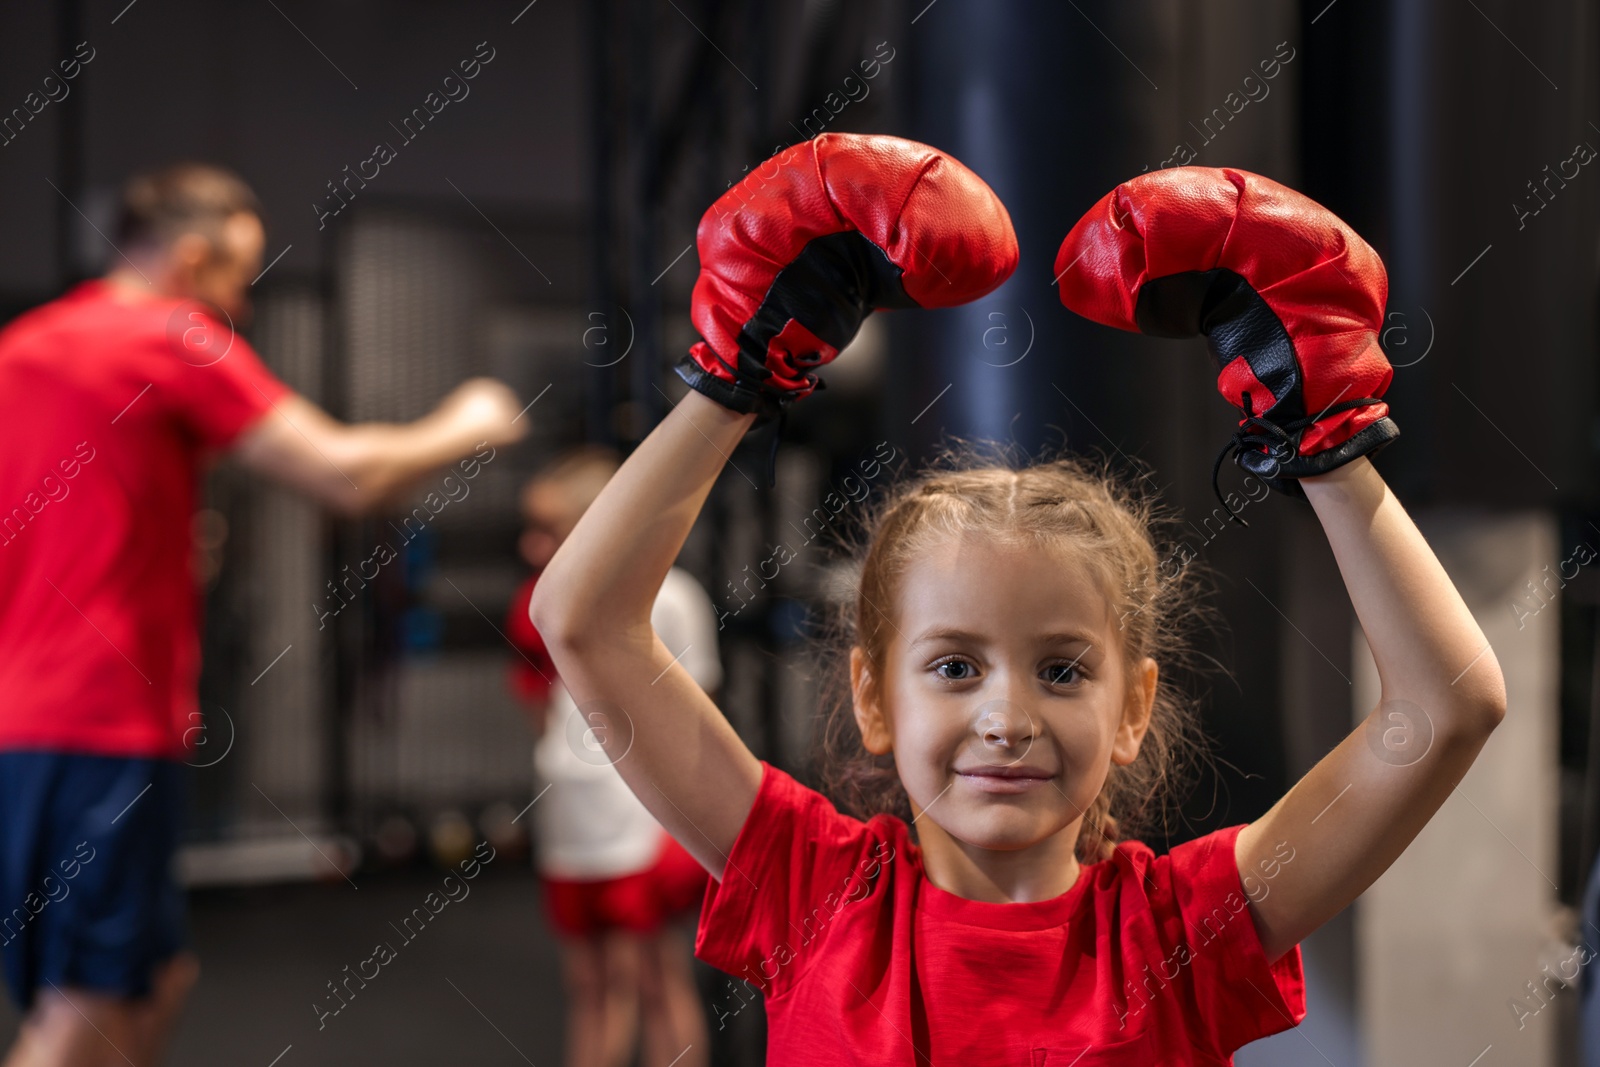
(1423, 125)
(239, 84)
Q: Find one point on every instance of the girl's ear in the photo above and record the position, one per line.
(1136, 714)
(870, 719)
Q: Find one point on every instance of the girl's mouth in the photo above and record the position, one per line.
(1016, 779)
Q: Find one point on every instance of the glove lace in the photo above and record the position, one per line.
(777, 435)
(1280, 442)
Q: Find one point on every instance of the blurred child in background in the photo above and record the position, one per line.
(613, 879)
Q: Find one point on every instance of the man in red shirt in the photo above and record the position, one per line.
(112, 399)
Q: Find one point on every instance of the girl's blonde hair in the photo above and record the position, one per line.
(1111, 523)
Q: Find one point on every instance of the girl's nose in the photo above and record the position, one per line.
(1002, 731)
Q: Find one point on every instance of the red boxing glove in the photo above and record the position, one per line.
(794, 258)
(1290, 300)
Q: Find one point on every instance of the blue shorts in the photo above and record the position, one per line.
(88, 898)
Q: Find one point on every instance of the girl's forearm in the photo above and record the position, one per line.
(605, 576)
(1428, 648)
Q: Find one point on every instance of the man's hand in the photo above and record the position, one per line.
(484, 409)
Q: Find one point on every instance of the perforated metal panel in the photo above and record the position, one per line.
(425, 301)
(260, 758)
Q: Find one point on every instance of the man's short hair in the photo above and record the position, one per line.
(159, 206)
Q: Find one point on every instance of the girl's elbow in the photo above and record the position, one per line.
(541, 610)
(1488, 703)
(1495, 700)
(1477, 721)
(557, 627)
(1494, 712)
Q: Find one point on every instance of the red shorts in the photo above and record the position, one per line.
(641, 902)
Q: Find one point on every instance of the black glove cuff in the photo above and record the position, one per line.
(734, 396)
(1285, 477)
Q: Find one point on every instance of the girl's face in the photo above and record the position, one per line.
(1003, 698)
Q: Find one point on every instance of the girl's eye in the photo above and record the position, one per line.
(1064, 674)
(961, 668)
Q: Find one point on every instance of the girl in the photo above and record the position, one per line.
(1011, 629)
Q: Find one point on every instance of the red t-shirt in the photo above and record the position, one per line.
(1145, 960)
(106, 410)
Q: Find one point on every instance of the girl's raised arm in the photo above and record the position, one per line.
(592, 606)
(792, 259)
(1290, 300)
(1353, 813)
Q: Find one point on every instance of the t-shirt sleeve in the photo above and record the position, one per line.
(1238, 996)
(796, 859)
(218, 397)
(687, 623)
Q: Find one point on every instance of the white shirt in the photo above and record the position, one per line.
(589, 825)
